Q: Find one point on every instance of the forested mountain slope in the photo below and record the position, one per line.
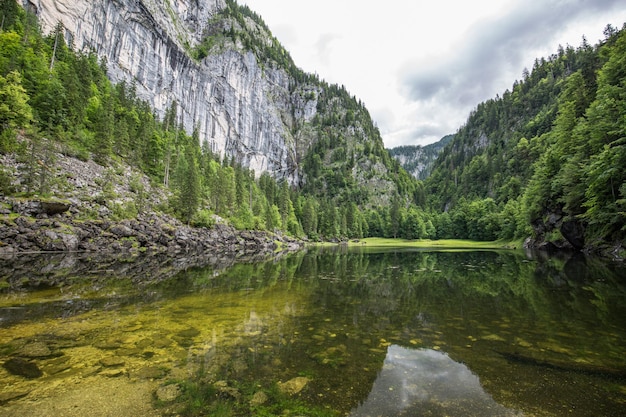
(419, 160)
(549, 153)
(223, 119)
(280, 149)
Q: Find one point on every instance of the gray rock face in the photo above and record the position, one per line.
(239, 108)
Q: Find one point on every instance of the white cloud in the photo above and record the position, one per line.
(421, 67)
(324, 46)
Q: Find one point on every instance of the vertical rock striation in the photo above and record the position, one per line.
(240, 108)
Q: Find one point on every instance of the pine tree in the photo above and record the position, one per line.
(187, 182)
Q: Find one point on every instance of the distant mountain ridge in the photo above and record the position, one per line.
(419, 160)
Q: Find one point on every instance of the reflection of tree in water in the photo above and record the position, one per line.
(334, 316)
(480, 307)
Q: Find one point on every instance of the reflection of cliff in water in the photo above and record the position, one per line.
(427, 382)
(67, 284)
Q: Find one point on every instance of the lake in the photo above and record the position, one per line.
(326, 332)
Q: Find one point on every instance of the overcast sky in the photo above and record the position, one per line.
(421, 66)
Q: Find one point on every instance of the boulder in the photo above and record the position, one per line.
(22, 367)
(574, 232)
(121, 230)
(54, 207)
(293, 386)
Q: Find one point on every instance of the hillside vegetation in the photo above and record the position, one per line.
(546, 158)
(60, 99)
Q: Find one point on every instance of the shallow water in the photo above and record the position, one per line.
(358, 332)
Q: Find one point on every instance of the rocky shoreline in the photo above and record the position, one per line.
(39, 226)
(79, 213)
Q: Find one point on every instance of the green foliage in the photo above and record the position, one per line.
(554, 144)
(15, 112)
(123, 211)
(485, 151)
(203, 218)
(187, 185)
(581, 173)
(8, 142)
(6, 186)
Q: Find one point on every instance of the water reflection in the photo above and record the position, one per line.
(427, 382)
(544, 336)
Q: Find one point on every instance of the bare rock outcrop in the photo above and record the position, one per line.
(241, 108)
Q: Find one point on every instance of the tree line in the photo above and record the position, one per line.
(552, 147)
(50, 90)
(552, 144)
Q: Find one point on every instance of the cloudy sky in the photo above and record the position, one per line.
(421, 66)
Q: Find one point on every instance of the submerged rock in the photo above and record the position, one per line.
(168, 393)
(188, 333)
(259, 398)
(113, 373)
(149, 372)
(108, 344)
(293, 386)
(333, 356)
(22, 367)
(5, 397)
(36, 350)
(57, 365)
(111, 362)
(160, 342)
(227, 392)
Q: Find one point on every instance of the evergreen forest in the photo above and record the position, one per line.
(545, 159)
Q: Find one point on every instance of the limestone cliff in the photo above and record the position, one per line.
(241, 107)
(419, 160)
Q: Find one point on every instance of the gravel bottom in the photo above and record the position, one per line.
(94, 397)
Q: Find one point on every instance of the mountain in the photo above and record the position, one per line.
(239, 106)
(546, 158)
(201, 98)
(232, 82)
(200, 101)
(419, 160)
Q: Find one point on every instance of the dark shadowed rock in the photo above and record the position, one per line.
(574, 232)
(22, 367)
(54, 207)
